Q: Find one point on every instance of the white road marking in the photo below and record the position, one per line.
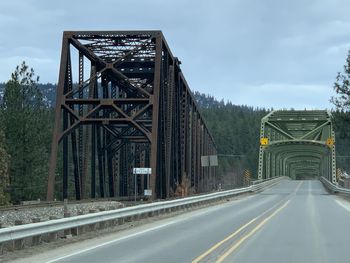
(343, 204)
(112, 241)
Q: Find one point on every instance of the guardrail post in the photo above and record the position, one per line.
(92, 226)
(36, 240)
(120, 221)
(78, 230)
(1, 244)
(102, 224)
(141, 216)
(19, 243)
(112, 223)
(53, 235)
(67, 232)
(136, 217)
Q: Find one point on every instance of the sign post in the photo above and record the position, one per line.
(142, 171)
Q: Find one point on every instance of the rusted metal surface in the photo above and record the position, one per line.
(123, 102)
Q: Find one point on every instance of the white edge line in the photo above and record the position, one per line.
(340, 203)
(112, 241)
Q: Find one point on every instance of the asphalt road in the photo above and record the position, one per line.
(293, 221)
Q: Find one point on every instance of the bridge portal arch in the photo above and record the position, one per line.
(297, 143)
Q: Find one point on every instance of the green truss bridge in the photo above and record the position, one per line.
(298, 144)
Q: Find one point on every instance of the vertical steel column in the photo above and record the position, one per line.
(57, 131)
(169, 128)
(155, 115)
(93, 94)
(199, 153)
(194, 155)
(81, 128)
(100, 162)
(190, 142)
(93, 161)
(183, 105)
(261, 153)
(65, 157)
(77, 182)
(334, 166)
(111, 184)
(202, 154)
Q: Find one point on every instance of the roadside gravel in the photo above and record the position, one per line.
(8, 218)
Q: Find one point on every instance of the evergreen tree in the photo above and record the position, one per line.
(342, 87)
(27, 126)
(4, 176)
(341, 117)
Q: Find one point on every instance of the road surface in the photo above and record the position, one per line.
(293, 221)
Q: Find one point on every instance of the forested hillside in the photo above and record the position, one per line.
(47, 90)
(236, 132)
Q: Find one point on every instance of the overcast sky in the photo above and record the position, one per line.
(271, 53)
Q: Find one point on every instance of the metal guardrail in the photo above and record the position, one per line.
(334, 188)
(269, 179)
(37, 229)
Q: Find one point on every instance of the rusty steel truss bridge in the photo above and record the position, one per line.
(123, 102)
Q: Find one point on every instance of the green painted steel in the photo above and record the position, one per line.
(298, 144)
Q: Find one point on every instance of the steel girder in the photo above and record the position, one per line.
(123, 102)
(297, 143)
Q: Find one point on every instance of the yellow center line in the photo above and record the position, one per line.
(254, 230)
(202, 256)
(196, 260)
(199, 258)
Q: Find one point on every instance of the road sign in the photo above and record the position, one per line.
(330, 142)
(264, 141)
(213, 160)
(209, 160)
(147, 192)
(204, 161)
(142, 170)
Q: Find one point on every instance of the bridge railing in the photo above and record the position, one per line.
(115, 217)
(333, 187)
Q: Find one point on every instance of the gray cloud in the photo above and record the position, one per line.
(263, 53)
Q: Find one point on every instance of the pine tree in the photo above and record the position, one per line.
(26, 124)
(342, 88)
(4, 176)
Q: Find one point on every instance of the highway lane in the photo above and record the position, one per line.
(293, 221)
(314, 227)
